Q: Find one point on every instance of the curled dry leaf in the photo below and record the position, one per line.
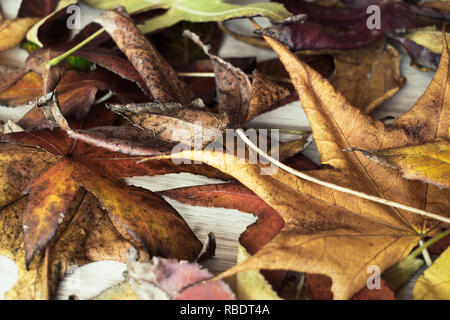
(160, 78)
(34, 35)
(173, 122)
(167, 279)
(354, 233)
(66, 167)
(429, 162)
(237, 97)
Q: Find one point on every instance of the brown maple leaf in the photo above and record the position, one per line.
(71, 245)
(328, 231)
(161, 80)
(50, 173)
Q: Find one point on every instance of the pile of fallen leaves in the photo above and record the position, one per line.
(105, 104)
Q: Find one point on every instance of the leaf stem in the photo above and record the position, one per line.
(108, 95)
(304, 176)
(416, 252)
(55, 61)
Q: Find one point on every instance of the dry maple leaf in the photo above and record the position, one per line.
(161, 120)
(36, 8)
(331, 232)
(239, 101)
(269, 223)
(71, 244)
(429, 162)
(237, 97)
(52, 175)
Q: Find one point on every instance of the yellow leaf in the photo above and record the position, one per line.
(251, 285)
(32, 34)
(13, 31)
(434, 283)
(430, 38)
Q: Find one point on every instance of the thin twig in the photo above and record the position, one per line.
(61, 57)
(425, 254)
(414, 254)
(304, 176)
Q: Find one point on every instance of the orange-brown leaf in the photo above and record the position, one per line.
(49, 198)
(330, 232)
(160, 78)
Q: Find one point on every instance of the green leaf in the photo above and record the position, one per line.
(434, 283)
(193, 11)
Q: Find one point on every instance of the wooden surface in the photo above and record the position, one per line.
(227, 225)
